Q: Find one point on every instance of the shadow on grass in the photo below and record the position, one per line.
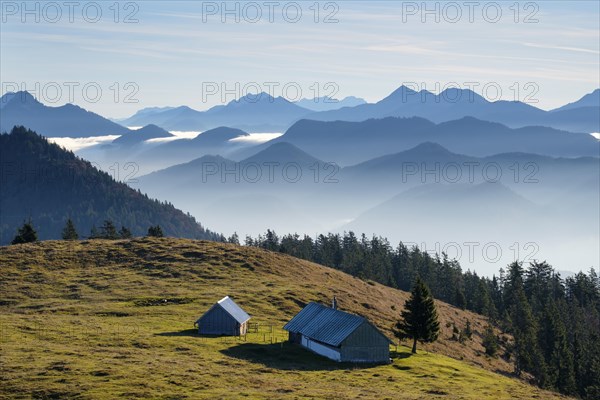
(508, 374)
(400, 354)
(192, 333)
(287, 356)
(185, 332)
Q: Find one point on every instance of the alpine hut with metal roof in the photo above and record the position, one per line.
(338, 335)
(225, 317)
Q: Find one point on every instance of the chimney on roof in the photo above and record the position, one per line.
(334, 303)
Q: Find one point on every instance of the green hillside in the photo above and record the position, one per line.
(114, 319)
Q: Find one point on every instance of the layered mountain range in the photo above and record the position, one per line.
(415, 166)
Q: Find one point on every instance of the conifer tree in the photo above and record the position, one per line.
(25, 234)
(419, 318)
(69, 232)
(490, 341)
(94, 232)
(552, 338)
(108, 230)
(524, 329)
(124, 233)
(155, 231)
(234, 239)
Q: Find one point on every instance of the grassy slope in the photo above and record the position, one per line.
(89, 320)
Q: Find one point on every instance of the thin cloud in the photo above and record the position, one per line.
(406, 49)
(566, 48)
(76, 144)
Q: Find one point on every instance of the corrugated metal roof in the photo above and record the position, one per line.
(233, 309)
(325, 324)
(331, 326)
(303, 317)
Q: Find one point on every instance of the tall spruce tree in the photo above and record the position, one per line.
(419, 318)
(108, 230)
(524, 329)
(125, 233)
(69, 232)
(25, 234)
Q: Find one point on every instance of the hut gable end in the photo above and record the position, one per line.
(223, 318)
(366, 335)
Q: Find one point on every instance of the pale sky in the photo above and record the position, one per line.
(181, 53)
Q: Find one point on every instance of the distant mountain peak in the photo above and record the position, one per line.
(221, 132)
(147, 132)
(404, 88)
(256, 98)
(21, 96)
(152, 130)
(68, 120)
(208, 158)
(151, 127)
(589, 100)
(402, 91)
(282, 152)
(463, 95)
(430, 147)
(284, 145)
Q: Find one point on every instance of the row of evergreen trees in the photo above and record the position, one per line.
(108, 230)
(555, 322)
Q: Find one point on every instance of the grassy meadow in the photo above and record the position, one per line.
(114, 319)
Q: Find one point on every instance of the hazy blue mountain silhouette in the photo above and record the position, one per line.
(589, 100)
(582, 115)
(156, 155)
(6, 98)
(147, 111)
(65, 121)
(277, 155)
(536, 176)
(213, 141)
(486, 214)
(282, 153)
(217, 136)
(252, 113)
(426, 151)
(353, 142)
(450, 104)
(453, 103)
(326, 103)
(448, 209)
(347, 142)
(254, 193)
(511, 207)
(464, 196)
(171, 118)
(184, 177)
(580, 119)
(140, 135)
